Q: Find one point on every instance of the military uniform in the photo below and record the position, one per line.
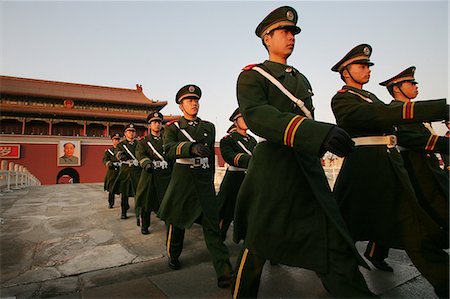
(190, 196)
(155, 175)
(373, 189)
(285, 211)
(110, 160)
(129, 172)
(236, 150)
(417, 143)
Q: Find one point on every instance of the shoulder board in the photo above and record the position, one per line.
(170, 122)
(226, 136)
(343, 90)
(249, 67)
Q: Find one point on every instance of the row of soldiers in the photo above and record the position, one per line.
(276, 192)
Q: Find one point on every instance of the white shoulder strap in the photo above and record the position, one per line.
(155, 151)
(109, 150)
(244, 148)
(185, 133)
(283, 89)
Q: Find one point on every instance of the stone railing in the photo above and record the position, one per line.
(14, 176)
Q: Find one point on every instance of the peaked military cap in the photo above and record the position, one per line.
(189, 91)
(130, 127)
(155, 115)
(236, 114)
(115, 136)
(284, 17)
(405, 76)
(358, 55)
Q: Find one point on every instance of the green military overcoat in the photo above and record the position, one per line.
(373, 189)
(285, 202)
(191, 190)
(128, 177)
(235, 156)
(152, 185)
(109, 157)
(431, 183)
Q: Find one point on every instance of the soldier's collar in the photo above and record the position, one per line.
(357, 90)
(279, 69)
(184, 122)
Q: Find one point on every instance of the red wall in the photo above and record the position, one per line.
(41, 161)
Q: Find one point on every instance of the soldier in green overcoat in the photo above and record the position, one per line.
(190, 196)
(155, 174)
(417, 143)
(373, 189)
(129, 172)
(110, 160)
(285, 210)
(236, 149)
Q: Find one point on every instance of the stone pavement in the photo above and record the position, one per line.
(61, 241)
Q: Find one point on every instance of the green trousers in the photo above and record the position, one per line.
(217, 249)
(343, 279)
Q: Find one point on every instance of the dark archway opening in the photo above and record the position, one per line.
(68, 176)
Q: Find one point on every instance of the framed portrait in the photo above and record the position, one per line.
(69, 153)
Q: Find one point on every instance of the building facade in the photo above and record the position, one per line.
(42, 122)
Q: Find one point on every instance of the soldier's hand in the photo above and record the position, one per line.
(338, 142)
(148, 167)
(200, 150)
(123, 156)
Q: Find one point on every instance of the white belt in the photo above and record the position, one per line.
(389, 140)
(130, 163)
(234, 168)
(194, 162)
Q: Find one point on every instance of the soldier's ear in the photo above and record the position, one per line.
(181, 106)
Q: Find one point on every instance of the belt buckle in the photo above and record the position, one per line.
(197, 161)
(392, 141)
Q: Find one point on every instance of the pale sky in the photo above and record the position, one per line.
(168, 44)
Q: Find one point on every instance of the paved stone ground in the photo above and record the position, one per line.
(61, 241)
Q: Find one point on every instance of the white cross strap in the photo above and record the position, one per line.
(244, 148)
(185, 133)
(283, 89)
(155, 151)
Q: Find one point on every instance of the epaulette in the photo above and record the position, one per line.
(343, 90)
(249, 67)
(170, 122)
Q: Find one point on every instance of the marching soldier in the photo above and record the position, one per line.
(236, 149)
(190, 196)
(110, 160)
(128, 177)
(378, 202)
(155, 174)
(285, 211)
(417, 143)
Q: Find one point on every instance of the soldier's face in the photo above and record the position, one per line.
(130, 134)
(240, 122)
(155, 126)
(280, 43)
(411, 90)
(359, 72)
(190, 107)
(115, 142)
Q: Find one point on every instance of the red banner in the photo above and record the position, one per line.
(9, 151)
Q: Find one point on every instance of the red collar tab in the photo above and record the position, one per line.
(343, 90)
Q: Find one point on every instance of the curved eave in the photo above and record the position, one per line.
(52, 112)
